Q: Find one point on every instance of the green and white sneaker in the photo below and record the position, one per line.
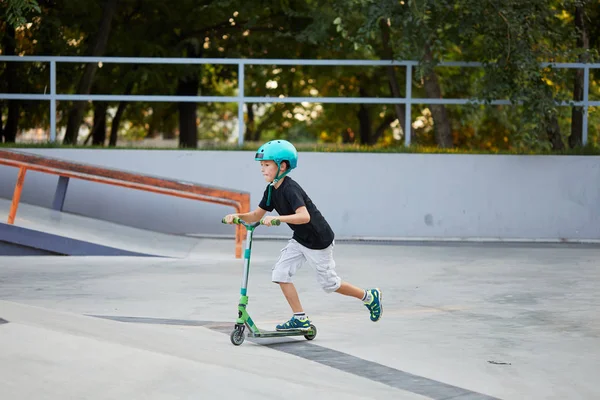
(294, 323)
(375, 306)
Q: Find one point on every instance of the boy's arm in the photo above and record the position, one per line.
(251, 217)
(302, 216)
(295, 199)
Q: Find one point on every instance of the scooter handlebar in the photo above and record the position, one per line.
(237, 221)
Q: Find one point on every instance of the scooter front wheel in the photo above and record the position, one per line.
(312, 334)
(237, 336)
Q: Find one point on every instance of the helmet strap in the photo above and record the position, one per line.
(277, 179)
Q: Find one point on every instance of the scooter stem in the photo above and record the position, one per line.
(244, 288)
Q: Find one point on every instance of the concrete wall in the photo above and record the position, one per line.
(361, 195)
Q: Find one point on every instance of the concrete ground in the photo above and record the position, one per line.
(461, 321)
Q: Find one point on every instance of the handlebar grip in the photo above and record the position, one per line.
(274, 222)
(236, 220)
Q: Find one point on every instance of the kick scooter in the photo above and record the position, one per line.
(237, 335)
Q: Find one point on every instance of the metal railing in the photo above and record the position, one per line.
(66, 170)
(242, 99)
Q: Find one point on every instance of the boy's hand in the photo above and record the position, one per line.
(267, 220)
(229, 218)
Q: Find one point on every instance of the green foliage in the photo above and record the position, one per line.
(16, 11)
(511, 38)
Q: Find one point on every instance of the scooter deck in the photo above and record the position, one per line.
(294, 332)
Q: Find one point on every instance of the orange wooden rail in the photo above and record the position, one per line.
(239, 200)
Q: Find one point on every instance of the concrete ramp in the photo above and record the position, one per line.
(44, 231)
(58, 355)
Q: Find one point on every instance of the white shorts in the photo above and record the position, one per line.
(294, 255)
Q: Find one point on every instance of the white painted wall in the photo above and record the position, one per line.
(361, 195)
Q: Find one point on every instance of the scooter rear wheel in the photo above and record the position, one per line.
(313, 334)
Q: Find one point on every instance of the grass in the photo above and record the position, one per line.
(589, 150)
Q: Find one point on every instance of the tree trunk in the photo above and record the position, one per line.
(250, 128)
(116, 121)
(99, 129)
(364, 123)
(151, 132)
(1, 127)
(387, 120)
(189, 86)
(154, 124)
(348, 136)
(188, 130)
(12, 122)
(391, 72)
(168, 134)
(85, 84)
(577, 115)
(443, 129)
(553, 131)
(364, 120)
(9, 132)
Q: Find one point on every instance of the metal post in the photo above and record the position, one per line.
(241, 103)
(60, 194)
(586, 89)
(52, 101)
(407, 111)
(17, 195)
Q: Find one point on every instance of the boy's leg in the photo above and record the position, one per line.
(291, 295)
(348, 289)
(370, 297)
(324, 264)
(285, 268)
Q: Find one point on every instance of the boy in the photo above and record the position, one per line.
(312, 241)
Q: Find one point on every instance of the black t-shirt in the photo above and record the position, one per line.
(286, 199)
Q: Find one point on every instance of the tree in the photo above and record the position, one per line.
(17, 13)
(401, 31)
(581, 22)
(327, 35)
(512, 39)
(86, 81)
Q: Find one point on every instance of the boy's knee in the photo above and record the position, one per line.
(281, 275)
(280, 280)
(331, 285)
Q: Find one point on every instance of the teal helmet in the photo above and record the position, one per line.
(277, 151)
